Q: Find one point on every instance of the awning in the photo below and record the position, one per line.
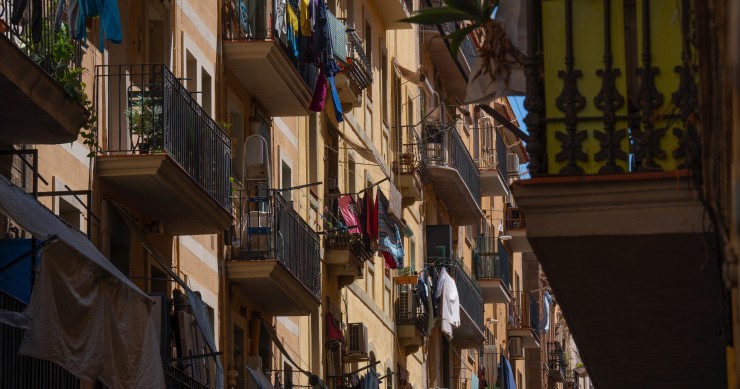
(417, 78)
(83, 314)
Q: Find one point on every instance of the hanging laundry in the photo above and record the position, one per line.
(449, 303)
(338, 32)
(292, 18)
(335, 99)
(333, 331)
(305, 19)
(371, 216)
(351, 219)
(281, 25)
(544, 324)
(389, 238)
(507, 374)
(19, 8)
(244, 19)
(319, 93)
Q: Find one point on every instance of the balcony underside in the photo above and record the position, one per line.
(628, 259)
(529, 338)
(392, 11)
(494, 291)
(410, 187)
(36, 108)
(492, 184)
(518, 242)
(454, 81)
(268, 74)
(409, 337)
(451, 189)
(344, 265)
(271, 287)
(161, 191)
(468, 335)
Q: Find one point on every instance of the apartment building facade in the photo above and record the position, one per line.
(237, 196)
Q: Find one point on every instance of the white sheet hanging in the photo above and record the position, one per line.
(84, 314)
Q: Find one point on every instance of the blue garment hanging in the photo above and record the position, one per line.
(507, 375)
(110, 20)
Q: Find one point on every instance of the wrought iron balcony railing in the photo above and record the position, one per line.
(471, 295)
(493, 153)
(622, 108)
(409, 310)
(555, 361)
(524, 312)
(356, 65)
(37, 37)
(268, 228)
(254, 20)
(175, 378)
(413, 160)
(149, 111)
(492, 261)
(20, 371)
(443, 147)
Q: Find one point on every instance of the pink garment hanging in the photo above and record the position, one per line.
(347, 207)
(319, 93)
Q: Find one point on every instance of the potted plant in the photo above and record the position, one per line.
(145, 120)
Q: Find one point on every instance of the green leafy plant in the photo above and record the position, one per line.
(145, 119)
(496, 48)
(59, 62)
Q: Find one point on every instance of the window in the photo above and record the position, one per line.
(158, 281)
(285, 181)
(313, 149)
(387, 304)
(70, 214)
(384, 85)
(191, 77)
(351, 13)
(287, 375)
(371, 281)
(412, 255)
(351, 176)
(206, 94)
(369, 52)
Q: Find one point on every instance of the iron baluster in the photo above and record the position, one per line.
(609, 100)
(685, 98)
(570, 101)
(647, 137)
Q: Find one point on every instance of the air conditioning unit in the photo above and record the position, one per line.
(516, 348)
(512, 163)
(357, 339)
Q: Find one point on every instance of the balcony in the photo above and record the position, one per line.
(42, 111)
(524, 319)
(454, 70)
(453, 173)
(493, 270)
(470, 333)
(516, 228)
(163, 155)
(494, 175)
(275, 255)
(555, 362)
(590, 233)
(355, 73)
(256, 55)
(391, 11)
(413, 171)
(176, 378)
(345, 255)
(412, 320)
